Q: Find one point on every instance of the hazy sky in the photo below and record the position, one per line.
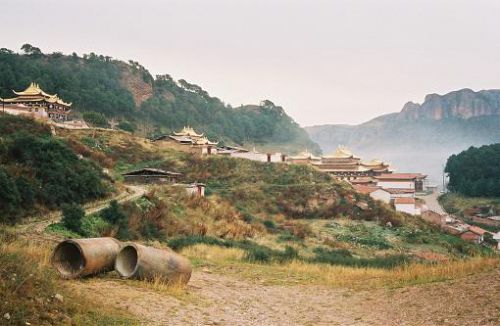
(323, 61)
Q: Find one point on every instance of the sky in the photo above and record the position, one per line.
(325, 62)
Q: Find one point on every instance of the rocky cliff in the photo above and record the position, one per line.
(464, 104)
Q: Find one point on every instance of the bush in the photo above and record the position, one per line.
(96, 119)
(115, 215)
(270, 225)
(127, 126)
(9, 196)
(345, 258)
(258, 254)
(94, 226)
(72, 217)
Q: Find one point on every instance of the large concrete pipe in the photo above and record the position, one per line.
(141, 262)
(80, 257)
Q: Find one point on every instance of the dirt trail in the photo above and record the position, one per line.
(35, 227)
(214, 299)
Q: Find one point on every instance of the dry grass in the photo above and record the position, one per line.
(28, 286)
(230, 260)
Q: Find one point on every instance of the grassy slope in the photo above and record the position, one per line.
(275, 206)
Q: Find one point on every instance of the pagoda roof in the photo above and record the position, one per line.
(304, 156)
(33, 89)
(188, 131)
(35, 94)
(340, 152)
(374, 163)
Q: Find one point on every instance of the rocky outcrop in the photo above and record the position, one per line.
(462, 104)
(134, 81)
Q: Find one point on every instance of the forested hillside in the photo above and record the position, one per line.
(475, 171)
(151, 105)
(39, 172)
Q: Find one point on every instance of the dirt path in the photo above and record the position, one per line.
(214, 299)
(35, 227)
(432, 203)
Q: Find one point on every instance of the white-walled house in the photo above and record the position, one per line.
(260, 157)
(400, 193)
(376, 193)
(406, 205)
(413, 181)
(496, 237)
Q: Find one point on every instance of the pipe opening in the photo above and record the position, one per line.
(68, 259)
(126, 261)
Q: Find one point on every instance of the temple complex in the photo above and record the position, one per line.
(34, 99)
(343, 164)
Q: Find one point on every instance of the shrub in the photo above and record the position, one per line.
(127, 126)
(94, 226)
(258, 254)
(9, 196)
(115, 215)
(72, 217)
(96, 119)
(344, 257)
(270, 225)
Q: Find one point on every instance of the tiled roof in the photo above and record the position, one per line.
(400, 176)
(395, 191)
(404, 200)
(365, 189)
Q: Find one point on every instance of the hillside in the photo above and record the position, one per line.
(126, 91)
(265, 238)
(421, 137)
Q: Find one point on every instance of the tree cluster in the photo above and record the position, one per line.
(39, 170)
(475, 171)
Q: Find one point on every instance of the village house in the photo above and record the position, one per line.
(400, 193)
(412, 181)
(406, 205)
(196, 189)
(260, 157)
(376, 193)
(496, 237)
(151, 175)
(34, 100)
(474, 234)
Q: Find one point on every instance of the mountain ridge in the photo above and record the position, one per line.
(421, 136)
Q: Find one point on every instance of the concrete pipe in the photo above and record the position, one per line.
(81, 257)
(141, 262)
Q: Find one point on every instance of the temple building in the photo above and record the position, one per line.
(188, 136)
(343, 164)
(304, 158)
(35, 100)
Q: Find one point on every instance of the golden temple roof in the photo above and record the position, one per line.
(341, 152)
(373, 163)
(34, 93)
(188, 131)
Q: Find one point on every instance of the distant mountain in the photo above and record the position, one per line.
(422, 136)
(126, 91)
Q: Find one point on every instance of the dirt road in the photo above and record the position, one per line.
(35, 227)
(214, 299)
(432, 203)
